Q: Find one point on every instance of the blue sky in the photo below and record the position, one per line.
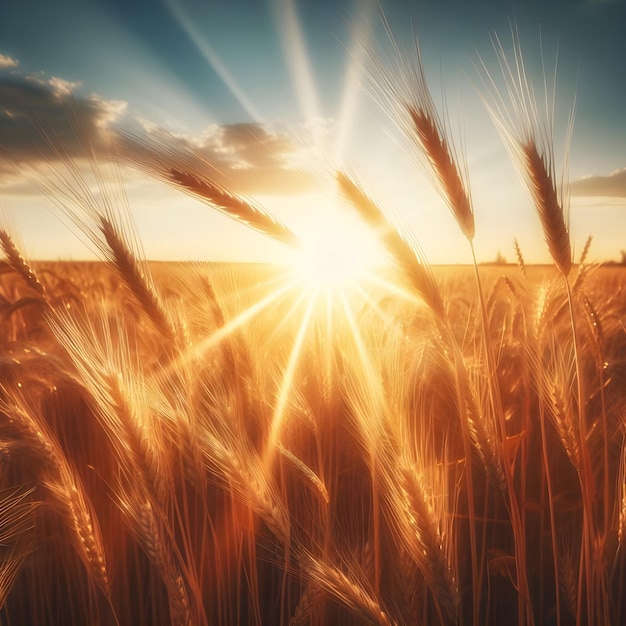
(275, 94)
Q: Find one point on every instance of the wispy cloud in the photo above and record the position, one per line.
(248, 158)
(7, 61)
(611, 186)
(62, 87)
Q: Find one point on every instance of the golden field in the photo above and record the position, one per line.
(244, 471)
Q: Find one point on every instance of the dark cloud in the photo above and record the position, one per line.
(45, 121)
(612, 186)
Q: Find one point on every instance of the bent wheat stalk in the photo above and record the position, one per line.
(407, 258)
(232, 205)
(180, 167)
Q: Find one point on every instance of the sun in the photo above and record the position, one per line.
(329, 262)
(332, 276)
(336, 254)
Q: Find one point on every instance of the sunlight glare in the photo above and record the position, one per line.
(287, 382)
(353, 91)
(328, 262)
(336, 254)
(296, 55)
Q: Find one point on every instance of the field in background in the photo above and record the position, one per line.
(348, 470)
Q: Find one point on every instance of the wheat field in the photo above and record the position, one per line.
(221, 444)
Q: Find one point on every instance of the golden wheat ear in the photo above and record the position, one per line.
(432, 140)
(182, 168)
(529, 137)
(234, 206)
(130, 270)
(345, 588)
(61, 482)
(400, 86)
(19, 264)
(407, 258)
(17, 523)
(540, 178)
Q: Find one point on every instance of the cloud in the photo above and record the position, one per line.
(611, 186)
(49, 120)
(245, 158)
(254, 158)
(6, 61)
(44, 121)
(62, 88)
(243, 146)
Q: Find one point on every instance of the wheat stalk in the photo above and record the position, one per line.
(520, 257)
(249, 482)
(406, 256)
(145, 525)
(131, 272)
(543, 189)
(302, 469)
(403, 92)
(16, 524)
(432, 140)
(180, 167)
(529, 138)
(61, 482)
(429, 553)
(343, 588)
(232, 205)
(19, 264)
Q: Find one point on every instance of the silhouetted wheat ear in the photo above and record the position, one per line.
(548, 206)
(585, 252)
(417, 272)
(19, 264)
(232, 205)
(437, 150)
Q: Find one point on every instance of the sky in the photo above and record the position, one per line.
(272, 96)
